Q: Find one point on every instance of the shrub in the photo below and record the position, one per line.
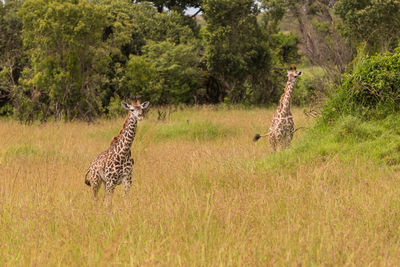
(371, 91)
(305, 90)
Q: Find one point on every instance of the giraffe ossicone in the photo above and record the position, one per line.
(114, 165)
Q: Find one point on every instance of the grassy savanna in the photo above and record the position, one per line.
(203, 193)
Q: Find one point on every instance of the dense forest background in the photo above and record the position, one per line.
(77, 59)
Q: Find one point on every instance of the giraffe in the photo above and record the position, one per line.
(114, 165)
(281, 129)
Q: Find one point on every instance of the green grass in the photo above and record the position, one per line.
(204, 193)
(193, 131)
(348, 138)
(20, 150)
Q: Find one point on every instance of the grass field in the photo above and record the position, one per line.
(203, 194)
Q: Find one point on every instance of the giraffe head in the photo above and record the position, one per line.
(136, 108)
(293, 74)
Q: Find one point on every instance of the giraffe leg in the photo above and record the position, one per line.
(279, 141)
(127, 181)
(95, 191)
(272, 142)
(285, 143)
(287, 140)
(95, 184)
(109, 191)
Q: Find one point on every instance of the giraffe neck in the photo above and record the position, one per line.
(123, 141)
(286, 99)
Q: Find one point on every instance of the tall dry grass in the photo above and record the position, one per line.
(203, 194)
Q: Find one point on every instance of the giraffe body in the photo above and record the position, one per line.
(281, 129)
(114, 165)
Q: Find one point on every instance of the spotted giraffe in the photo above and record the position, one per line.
(114, 165)
(282, 126)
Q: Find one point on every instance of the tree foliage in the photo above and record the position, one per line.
(12, 57)
(237, 53)
(375, 22)
(134, 69)
(166, 73)
(176, 5)
(66, 57)
(317, 28)
(79, 58)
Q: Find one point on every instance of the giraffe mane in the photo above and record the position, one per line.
(115, 138)
(283, 95)
(291, 67)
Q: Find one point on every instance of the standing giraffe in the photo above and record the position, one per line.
(114, 165)
(282, 126)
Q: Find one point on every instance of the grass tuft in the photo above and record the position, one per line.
(21, 150)
(193, 131)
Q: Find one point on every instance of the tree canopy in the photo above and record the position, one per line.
(375, 22)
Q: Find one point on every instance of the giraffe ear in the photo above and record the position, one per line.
(125, 105)
(145, 104)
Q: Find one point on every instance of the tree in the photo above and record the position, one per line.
(237, 53)
(12, 59)
(129, 26)
(320, 40)
(375, 22)
(166, 74)
(67, 60)
(131, 32)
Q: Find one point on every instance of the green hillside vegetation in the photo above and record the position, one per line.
(371, 90)
(360, 118)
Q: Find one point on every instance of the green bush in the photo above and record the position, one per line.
(305, 90)
(371, 91)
